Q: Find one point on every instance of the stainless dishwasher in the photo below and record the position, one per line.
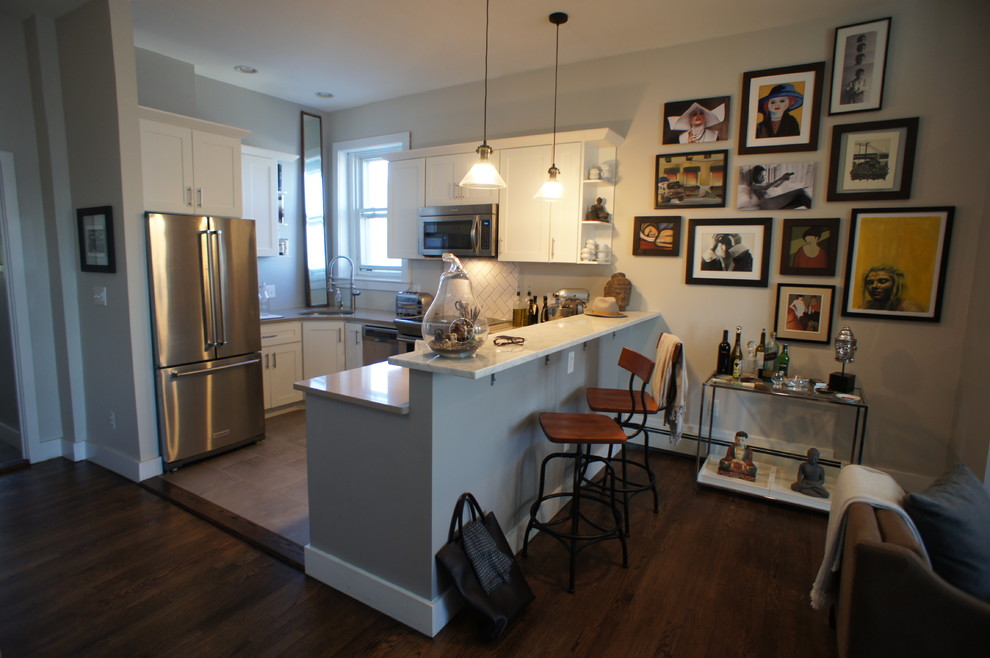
(378, 343)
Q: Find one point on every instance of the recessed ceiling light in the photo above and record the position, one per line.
(243, 68)
(324, 94)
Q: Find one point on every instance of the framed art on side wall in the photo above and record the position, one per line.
(691, 179)
(729, 252)
(781, 109)
(897, 262)
(859, 61)
(804, 313)
(656, 236)
(696, 121)
(809, 247)
(872, 161)
(96, 252)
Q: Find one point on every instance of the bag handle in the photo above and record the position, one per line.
(457, 520)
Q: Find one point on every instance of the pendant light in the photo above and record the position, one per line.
(552, 190)
(483, 175)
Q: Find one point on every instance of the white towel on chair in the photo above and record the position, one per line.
(855, 484)
(670, 384)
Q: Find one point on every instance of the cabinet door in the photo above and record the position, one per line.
(167, 167)
(405, 197)
(353, 348)
(566, 214)
(524, 222)
(323, 348)
(259, 179)
(217, 173)
(443, 177)
(283, 368)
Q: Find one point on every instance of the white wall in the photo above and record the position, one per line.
(908, 369)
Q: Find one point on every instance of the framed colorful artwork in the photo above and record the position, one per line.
(896, 265)
(729, 252)
(696, 121)
(804, 313)
(656, 236)
(776, 186)
(809, 247)
(859, 61)
(872, 161)
(781, 109)
(694, 180)
(96, 252)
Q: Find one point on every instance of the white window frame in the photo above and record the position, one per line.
(346, 219)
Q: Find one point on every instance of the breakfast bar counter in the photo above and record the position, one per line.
(391, 446)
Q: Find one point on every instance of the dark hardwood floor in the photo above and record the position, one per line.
(94, 565)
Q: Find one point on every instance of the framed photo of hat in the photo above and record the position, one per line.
(696, 121)
(781, 109)
(859, 62)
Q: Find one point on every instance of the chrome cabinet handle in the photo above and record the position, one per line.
(187, 196)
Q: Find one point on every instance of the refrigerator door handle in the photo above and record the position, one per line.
(220, 285)
(206, 282)
(204, 371)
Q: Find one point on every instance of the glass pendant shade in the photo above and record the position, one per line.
(551, 190)
(483, 175)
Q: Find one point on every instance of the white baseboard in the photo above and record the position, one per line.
(420, 614)
(123, 465)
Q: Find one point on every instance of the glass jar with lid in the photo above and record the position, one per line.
(455, 325)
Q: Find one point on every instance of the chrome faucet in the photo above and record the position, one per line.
(334, 294)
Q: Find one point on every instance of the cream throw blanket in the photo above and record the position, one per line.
(855, 484)
(670, 384)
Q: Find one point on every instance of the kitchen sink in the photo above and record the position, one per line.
(328, 312)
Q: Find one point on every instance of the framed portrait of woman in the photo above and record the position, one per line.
(729, 252)
(809, 247)
(804, 313)
(781, 109)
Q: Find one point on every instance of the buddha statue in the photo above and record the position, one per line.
(738, 460)
(811, 477)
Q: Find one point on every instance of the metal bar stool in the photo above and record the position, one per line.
(632, 406)
(574, 529)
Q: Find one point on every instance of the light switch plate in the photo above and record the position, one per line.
(270, 290)
(100, 295)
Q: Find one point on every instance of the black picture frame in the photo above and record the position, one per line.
(902, 253)
(804, 313)
(676, 121)
(96, 249)
(794, 235)
(859, 66)
(797, 129)
(872, 161)
(656, 236)
(704, 234)
(696, 179)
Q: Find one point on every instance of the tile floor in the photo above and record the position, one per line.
(264, 483)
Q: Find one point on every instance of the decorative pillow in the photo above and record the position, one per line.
(953, 518)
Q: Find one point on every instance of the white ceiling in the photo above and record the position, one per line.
(363, 51)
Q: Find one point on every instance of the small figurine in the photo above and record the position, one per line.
(811, 477)
(597, 212)
(738, 460)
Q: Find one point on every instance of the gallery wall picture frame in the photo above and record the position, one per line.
(781, 109)
(859, 64)
(96, 250)
(897, 260)
(729, 252)
(804, 313)
(776, 186)
(657, 236)
(696, 121)
(872, 161)
(691, 180)
(809, 247)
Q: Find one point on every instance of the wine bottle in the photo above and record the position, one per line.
(761, 351)
(534, 311)
(783, 361)
(770, 356)
(544, 312)
(520, 312)
(737, 354)
(723, 366)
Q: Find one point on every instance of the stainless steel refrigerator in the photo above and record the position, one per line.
(203, 275)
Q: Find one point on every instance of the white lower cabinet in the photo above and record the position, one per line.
(281, 361)
(323, 348)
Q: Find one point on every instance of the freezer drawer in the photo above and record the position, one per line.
(209, 407)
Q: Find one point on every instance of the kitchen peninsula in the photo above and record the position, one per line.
(392, 445)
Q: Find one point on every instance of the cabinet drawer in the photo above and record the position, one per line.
(280, 332)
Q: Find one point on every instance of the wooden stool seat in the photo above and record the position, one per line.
(581, 428)
(616, 400)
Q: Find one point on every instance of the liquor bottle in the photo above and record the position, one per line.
(544, 312)
(770, 356)
(534, 310)
(761, 351)
(737, 354)
(723, 365)
(520, 312)
(783, 361)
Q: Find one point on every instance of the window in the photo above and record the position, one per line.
(361, 218)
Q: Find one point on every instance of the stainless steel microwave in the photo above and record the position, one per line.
(469, 230)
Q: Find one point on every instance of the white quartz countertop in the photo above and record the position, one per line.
(364, 316)
(541, 340)
(379, 386)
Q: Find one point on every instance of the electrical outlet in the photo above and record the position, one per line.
(570, 362)
(270, 290)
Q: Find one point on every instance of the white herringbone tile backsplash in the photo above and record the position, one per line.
(495, 285)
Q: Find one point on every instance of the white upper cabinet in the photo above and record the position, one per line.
(263, 200)
(443, 178)
(190, 166)
(406, 185)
